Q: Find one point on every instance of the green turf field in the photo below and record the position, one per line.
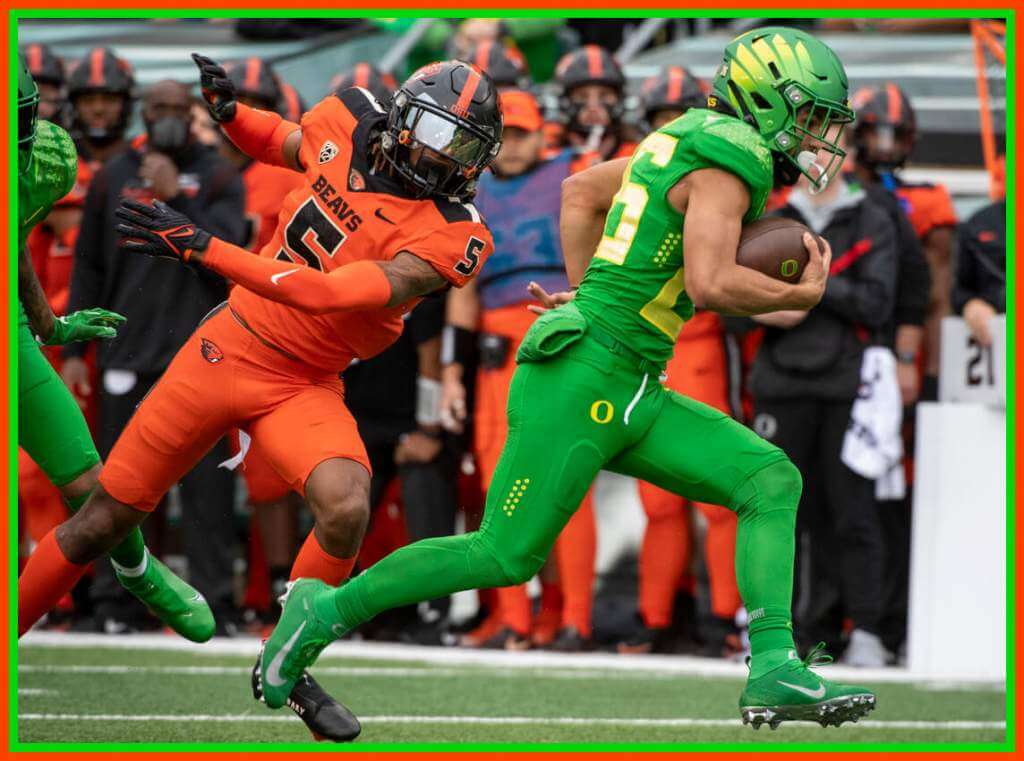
(89, 694)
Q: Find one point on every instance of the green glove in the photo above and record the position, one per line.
(84, 326)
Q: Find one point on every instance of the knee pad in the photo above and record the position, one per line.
(774, 487)
(498, 567)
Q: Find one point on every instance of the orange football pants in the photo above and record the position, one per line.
(490, 431)
(225, 377)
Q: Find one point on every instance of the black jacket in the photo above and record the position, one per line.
(821, 357)
(981, 259)
(914, 281)
(163, 300)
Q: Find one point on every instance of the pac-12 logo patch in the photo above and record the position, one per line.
(211, 352)
(327, 152)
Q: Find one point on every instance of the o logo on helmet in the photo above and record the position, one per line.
(601, 411)
(788, 267)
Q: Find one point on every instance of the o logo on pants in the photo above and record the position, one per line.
(765, 425)
(601, 411)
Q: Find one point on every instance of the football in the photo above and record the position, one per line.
(775, 247)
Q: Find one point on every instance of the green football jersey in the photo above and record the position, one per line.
(634, 286)
(49, 177)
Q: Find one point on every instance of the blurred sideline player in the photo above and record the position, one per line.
(520, 201)
(591, 107)
(386, 219)
(884, 137)
(698, 369)
(51, 428)
(586, 395)
(381, 85)
(503, 63)
(101, 95)
(266, 187)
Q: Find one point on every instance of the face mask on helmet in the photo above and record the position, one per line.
(435, 151)
(168, 135)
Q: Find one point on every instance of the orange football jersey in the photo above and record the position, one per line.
(266, 187)
(344, 213)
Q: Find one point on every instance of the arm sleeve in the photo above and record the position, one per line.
(355, 286)
(865, 294)
(260, 134)
(89, 270)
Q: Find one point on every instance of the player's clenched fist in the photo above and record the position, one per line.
(218, 91)
(159, 230)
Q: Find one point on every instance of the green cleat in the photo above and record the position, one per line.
(171, 600)
(295, 643)
(792, 692)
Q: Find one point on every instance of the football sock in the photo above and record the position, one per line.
(130, 553)
(47, 577)
(514, 604)
(576, 551)
(720, 559)
(425, 570)
(664, 554)
(765, 547)
(314, 562)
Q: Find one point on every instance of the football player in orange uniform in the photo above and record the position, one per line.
(384, 219)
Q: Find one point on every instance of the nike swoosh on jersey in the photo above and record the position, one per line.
(277, 276)
(378, 215)
(274, 669)
(816, 694)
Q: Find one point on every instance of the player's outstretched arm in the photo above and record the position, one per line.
(158, 230)
(51, 330)
(714, 202)
(261, 135)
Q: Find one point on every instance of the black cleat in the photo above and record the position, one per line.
(325, 717)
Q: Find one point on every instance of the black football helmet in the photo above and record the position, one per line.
(674, 89)
(100, 70)
(254, 78)
(443, 129)
(888, 112)
(380, 85)
(47, 69)
(504, 65)
(589, 65)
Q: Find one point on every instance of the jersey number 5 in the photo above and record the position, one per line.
(471, 258)
(310, 236)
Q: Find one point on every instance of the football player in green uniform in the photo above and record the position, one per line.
(51, 427)
(586, 395)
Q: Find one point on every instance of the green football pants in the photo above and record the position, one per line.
(581, 411)
(51, 427)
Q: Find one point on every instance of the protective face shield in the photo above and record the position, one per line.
(168, 134)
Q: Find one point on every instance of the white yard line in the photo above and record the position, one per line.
(506, 720)
(643, 665)
(34, 691)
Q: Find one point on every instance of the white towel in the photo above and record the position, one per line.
(873, 446)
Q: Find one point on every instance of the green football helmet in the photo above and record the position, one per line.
(792, 88)
(28, 107)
